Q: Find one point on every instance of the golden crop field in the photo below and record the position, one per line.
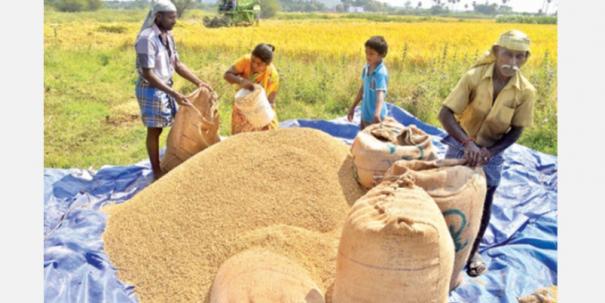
(422, 41)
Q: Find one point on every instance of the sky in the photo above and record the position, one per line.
(531, 6)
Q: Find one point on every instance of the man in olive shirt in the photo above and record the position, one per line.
(485, 114)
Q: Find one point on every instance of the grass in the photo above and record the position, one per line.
(92, 118)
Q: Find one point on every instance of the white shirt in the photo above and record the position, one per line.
(152, 53)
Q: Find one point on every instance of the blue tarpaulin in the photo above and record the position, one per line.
(519, 246)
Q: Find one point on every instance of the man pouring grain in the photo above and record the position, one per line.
(485, 114)
(157, 60)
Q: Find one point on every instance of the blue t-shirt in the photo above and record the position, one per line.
(372, 83)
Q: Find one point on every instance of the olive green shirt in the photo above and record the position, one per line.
(486, 121)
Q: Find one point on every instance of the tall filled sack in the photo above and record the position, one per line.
(195, 128)
(258, 275)
(395, 247)
(459, 192)
(252, 110)
(379, 145)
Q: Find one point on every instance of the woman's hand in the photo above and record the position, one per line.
(247, 84)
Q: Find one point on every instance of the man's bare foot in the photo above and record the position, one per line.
(475, 266)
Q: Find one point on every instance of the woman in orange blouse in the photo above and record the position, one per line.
(254, 68)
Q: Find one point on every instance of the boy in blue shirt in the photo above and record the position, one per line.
(373, 89)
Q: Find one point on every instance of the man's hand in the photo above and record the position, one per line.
(472, 154)
(486, 155)
(203, 84)
(351, 114)
(181, 99)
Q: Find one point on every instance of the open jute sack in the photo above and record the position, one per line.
(194, 129)
(395, 247)
(459, 192)
(261, 276)
(252, 111)
(378, 146)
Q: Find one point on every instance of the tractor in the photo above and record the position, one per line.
(235, 13)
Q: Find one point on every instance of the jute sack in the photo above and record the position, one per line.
(254, 107)
(395, 247)
(459, 192)
(542, 295)
(379, 145)
(195, 128)
(260, 276)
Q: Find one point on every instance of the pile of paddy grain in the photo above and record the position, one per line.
(287, 190)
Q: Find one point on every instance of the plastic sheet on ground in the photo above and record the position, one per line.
(520, 245)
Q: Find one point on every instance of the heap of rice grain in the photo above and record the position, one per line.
(286, 190)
